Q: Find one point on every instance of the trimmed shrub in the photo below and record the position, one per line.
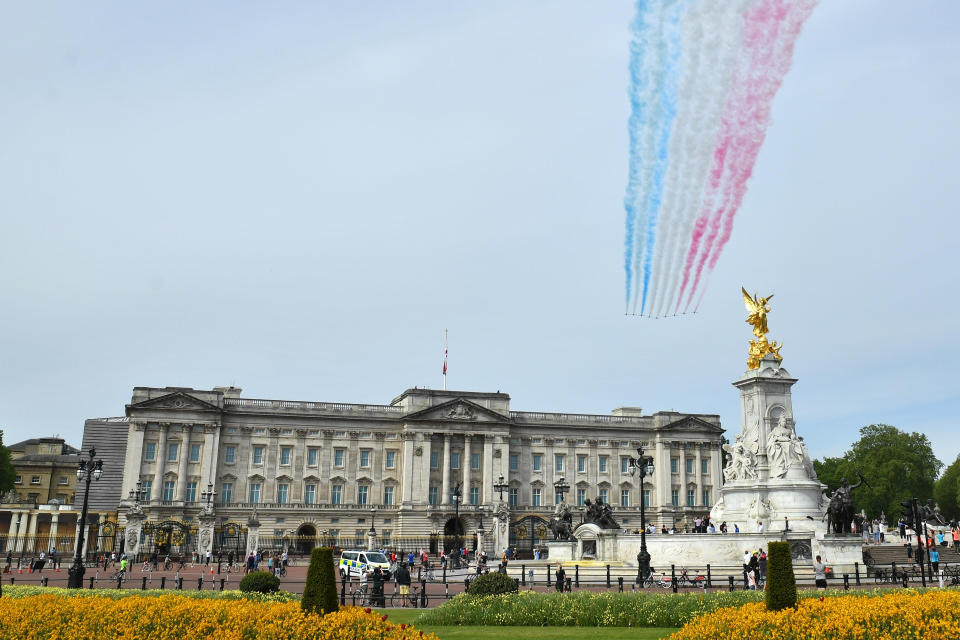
(261, 582)
(781, 583)
(320, 592)
(492, 584)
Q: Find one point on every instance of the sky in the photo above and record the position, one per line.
(299, 198)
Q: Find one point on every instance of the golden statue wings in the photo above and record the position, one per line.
(758, 309)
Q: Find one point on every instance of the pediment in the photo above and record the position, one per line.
(692, 423)
(178, 401)
(458, 410)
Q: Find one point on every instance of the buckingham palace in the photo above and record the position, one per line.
(429, 464)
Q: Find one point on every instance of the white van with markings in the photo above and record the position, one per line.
(356, 563)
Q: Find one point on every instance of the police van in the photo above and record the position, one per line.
(356, 563)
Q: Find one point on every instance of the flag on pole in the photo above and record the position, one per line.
(445, 359)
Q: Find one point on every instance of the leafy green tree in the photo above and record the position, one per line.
(898, 465)
(946, 491)
(7, 473)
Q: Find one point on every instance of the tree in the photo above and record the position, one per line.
(781, 583)
(945, 491)
(7, 472)
(320, 591)
(898, 465)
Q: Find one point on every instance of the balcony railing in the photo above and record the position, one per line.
(312, 407)
(578, 418)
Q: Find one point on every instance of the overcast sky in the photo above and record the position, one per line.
(298, 198)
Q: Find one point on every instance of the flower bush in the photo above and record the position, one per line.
(15, 591)
(172, 617)
(892, 615)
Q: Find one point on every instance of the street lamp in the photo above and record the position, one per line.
(561, 487)
(373, 513)
(136, 495)
(643, 465)
(501, 486)
(87, 470)
(457, 497)
(207, 496)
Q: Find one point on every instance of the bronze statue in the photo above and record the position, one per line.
(600, 514)
(840, 511)
(758, 309)
(561, 525)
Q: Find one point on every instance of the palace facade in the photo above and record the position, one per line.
(309, 471)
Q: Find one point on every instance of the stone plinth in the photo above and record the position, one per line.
(561, 550)
(840, 551)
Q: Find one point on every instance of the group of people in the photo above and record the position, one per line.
(34, 564)
(276, 563)
(701, 525)
(755, 568)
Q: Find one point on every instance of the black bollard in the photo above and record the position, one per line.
(846, 582)
(709, 583)
(548, 575)
(608, 576)
(856, 572)
(568, 585)
(200, 583)
(904, 579)
(143, 583)
(44, 580)
(222, 581)
(673, 578)
(119, 582)
(620, 584)
(419, 572)
(163, 582)
(343, 590)
(218, 568)
(91, 581)
(444, 573)
(180, 583)
(423, 594)
(730, 578)
(523, 574)
(576, 575)
(466, 585)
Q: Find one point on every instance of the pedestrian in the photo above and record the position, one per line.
(760, 527)
(902, 528)
(251, 562)
(940, 539)
(378, 596)
(530, 577)
(736, 528)
(935, 560)
(956, 538)
(154, 560)
(410, 559)
(755, 568)
(229, 561)
(403, 581)
(763, 565)
(820, 574)
(561, 577)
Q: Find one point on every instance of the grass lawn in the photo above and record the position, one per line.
(511, 633)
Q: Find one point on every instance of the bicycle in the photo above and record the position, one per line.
(429, 575)
(401, 599)
(661, 581)
(694, 581)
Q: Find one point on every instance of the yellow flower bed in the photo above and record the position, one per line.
(172, 617)
(899, 615)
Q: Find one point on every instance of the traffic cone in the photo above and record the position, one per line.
(211, 570)
(19, 570)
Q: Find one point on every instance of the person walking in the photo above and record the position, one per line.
(561, 577)
(763, 565)
(935, 560)
(403, 582)
(820, 574)
(956, 538)
(902, 528)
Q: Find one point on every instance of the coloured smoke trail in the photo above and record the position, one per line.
(703, 77)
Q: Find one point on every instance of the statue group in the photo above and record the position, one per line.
(597, 512)
(840, 512)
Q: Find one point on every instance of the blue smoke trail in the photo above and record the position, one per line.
(667, 81)
(638, 118)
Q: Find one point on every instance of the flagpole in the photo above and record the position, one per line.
(445, 346)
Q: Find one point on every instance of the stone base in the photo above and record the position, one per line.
(561, 550)
(770, 502)
(840, 552)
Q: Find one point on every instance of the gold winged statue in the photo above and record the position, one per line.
(758, 309)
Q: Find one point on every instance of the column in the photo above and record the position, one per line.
(134, 458)
(698, 474)
(661, 476)
(445, 465)
(20, 527)
(550, 466)
(716, 470)
(207, 474)
(487, 491)
(407, 482)
(54, 527)
(465, 467)
(32, 530)
(423, 494)
(683, 474)
(326, 467)
(156, 493)
(184, 453)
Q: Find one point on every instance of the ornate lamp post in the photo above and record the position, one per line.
(457, 497)
(373, 514)
(561, 487)
(87, 470)
(136, 495)
(643, 465)
(207, 496)
(501, 486)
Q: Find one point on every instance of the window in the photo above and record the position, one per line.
(706, 497)
(536, 496)
(191, 495)
(433, 495)
(624, 465)
(63, 480)
(455, 460)
(688, 465)
(581, 464)
(147, 485)
(168, 490)
(675, 497)
(19, 479)
(624, 497)
(226, 493)
(283, 490)
(674, 465)
(434, 459)
(475, 461)
(385, 535)
(474, 495)
(513, 497)
(338, 457)
(557, 497)
(313, 455)
(537, 461)
(514, 462)
(194, 453)
(150, 451)
(390, 462)
(230, 455)
(363, 491)
(364, 458)
(258, 455)
(603, 464)
(310, 494)
(255, 492)
(388, 495)
(285, 455)
(172, 449)
(646, 497)
(602, 494)
(336, 494)
(704, 466)
(558, 462)
(691, 497)
(581, 497)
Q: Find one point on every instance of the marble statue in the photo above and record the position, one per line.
(742, 463)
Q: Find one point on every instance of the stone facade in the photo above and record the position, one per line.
(316, 469)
